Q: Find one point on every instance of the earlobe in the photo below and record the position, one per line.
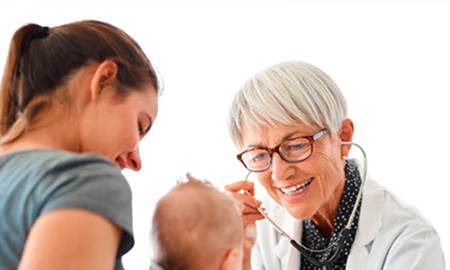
(231, 260)
(105, 74)
(346, 135)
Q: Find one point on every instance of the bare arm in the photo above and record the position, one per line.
(71, 239)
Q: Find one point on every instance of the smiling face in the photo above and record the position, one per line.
(113, 126)
(306, 187)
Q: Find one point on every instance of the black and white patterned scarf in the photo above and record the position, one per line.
(314, 239)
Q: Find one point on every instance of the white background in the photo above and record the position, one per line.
(390, 58)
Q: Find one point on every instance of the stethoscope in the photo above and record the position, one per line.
(343, 235)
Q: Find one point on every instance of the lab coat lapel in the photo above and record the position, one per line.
(370, 223)
(287, 254)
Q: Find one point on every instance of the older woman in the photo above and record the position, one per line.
(290, 124)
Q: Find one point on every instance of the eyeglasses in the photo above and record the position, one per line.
(342, 235)
(291, 150)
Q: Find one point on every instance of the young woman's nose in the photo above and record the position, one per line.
(133, 160)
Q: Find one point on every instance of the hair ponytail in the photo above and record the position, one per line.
(11, 81)
(41, 60)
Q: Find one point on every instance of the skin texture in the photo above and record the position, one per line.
(100, 123)
(326, 165)
(206, 222)
(89, 242)
(118, 126)
(97, 122)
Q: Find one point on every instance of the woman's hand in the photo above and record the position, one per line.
(239, 190)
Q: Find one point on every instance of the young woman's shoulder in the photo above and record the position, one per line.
(61, 165)
(38, 182)
(52, 179)
(87, 181)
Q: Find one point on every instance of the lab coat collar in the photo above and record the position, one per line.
(371, 212)
(370, 223)
(287, 254)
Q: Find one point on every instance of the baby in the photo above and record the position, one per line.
(195, 227)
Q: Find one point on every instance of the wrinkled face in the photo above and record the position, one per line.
(304, 187)
(113, 126)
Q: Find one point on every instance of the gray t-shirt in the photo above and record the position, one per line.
(38, 181)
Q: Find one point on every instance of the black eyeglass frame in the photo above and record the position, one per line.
(276, 149)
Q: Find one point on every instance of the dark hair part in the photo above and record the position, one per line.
(41, 59)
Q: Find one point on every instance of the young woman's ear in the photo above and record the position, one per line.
(104, 74)
(346, 135)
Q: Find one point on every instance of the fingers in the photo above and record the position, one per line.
(241, 186)
(251, 218)
(239, 190)
(247, 200)
(244, 191)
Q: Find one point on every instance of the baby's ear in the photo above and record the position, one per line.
(232, 260)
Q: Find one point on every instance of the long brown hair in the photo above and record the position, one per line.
(41, 59)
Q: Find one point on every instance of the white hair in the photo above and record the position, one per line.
(288, 93)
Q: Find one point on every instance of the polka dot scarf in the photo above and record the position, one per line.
(314, 239)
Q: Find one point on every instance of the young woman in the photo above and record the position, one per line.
(75, 101)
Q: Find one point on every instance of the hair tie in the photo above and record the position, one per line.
(41, 34)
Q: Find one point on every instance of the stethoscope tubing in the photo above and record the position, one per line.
(342, 235)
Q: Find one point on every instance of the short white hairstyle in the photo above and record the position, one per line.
(288, 93)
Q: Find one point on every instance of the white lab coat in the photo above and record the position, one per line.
(391, 236)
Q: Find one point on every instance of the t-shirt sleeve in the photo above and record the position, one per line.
(91, 183)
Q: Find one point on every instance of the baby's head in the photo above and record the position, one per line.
(195, 226)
